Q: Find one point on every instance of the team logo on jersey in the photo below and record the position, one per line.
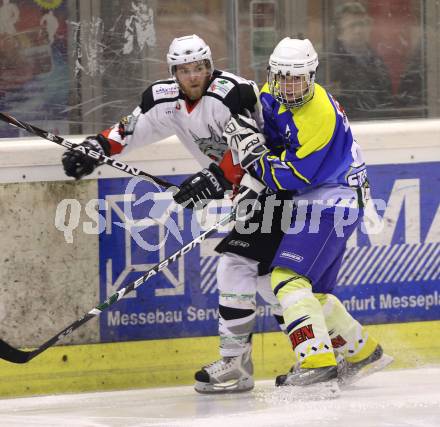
(213, 146)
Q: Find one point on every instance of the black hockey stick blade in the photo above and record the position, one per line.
(13, 355)
(117, 164)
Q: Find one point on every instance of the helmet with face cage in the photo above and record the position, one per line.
(292, 57)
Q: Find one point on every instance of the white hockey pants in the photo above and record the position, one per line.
(238, 283)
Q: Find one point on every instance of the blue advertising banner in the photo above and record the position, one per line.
(394, 275)
(389, 275)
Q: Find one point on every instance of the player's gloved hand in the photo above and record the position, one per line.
(76, 164)
(244, 139)
(198, 190)
(246, 200)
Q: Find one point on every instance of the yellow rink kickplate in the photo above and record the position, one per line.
(167, 362)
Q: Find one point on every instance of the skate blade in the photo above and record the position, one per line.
(233, 386)
(319, 391)
(369, 369)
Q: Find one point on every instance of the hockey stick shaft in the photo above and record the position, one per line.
(117, 164)
(11, 354)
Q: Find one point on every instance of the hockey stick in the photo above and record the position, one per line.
(117, 164)
(14, 355)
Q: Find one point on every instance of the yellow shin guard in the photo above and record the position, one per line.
(304, 319)
(349, 338)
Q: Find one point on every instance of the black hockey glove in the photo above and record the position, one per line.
(76, 164)
(198, 190)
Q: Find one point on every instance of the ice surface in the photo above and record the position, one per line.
(388, 399)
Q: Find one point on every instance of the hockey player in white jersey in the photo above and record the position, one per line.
(195, 104)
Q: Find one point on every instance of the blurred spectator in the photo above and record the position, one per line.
(9, 16)
(50, 23)
(359, 78)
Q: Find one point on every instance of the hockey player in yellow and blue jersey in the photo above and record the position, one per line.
(308, 149)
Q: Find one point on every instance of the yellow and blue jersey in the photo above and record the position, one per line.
(311, 148)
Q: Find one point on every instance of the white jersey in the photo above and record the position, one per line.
(164, 112)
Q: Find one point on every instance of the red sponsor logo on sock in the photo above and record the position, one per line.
(301, 334)
(338, 342)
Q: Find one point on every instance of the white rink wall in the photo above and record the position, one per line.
(48, 282)
(32, 159)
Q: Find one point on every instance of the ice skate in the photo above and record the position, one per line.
(348, 373)
(227, 375)
(316, 383)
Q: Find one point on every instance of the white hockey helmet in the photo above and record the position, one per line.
(188, 49)
(292, 57)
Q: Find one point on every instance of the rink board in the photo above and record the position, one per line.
(154, 363)
(388, 277)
